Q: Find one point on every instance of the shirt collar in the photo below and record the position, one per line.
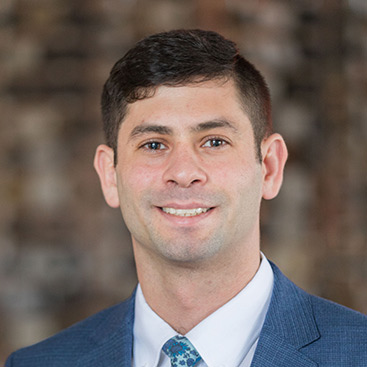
(150, 333)
(234, 327)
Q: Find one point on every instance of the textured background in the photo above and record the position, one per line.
(64, 254)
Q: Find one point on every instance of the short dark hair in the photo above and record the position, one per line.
(178, 58)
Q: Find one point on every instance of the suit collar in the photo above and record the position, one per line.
(113, 338)
(288, 327)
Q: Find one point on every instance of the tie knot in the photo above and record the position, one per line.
(181, 352)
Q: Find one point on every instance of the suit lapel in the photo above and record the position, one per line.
(273, 350)
(289, 326)
(113, 339)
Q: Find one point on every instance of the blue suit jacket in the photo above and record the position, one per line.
(300, 330)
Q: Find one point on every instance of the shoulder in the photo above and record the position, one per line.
(343, 334)
(289, 296)
(67, 346)
(287, 293)
(320, 328)
(339, 323)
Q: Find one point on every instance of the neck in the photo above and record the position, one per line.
(185, 294)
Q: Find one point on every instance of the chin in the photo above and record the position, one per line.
(187, 251)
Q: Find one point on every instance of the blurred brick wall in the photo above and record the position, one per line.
(64, 254)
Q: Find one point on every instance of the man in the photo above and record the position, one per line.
(190, 154)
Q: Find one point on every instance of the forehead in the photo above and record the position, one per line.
(186, 107)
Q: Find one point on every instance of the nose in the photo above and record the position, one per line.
(184, 168)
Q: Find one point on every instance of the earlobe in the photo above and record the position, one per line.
(274, 153)
(104, 165)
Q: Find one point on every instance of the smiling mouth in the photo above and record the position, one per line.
(185, 212)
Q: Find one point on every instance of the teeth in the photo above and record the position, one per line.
(185, 212)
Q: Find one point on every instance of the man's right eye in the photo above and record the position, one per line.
(154, 145)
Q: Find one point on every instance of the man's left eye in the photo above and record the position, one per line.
(214, 143)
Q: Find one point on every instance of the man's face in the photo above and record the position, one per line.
(188, 181)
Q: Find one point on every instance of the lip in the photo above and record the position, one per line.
(185, 212)
(188, 206)
(185, 220)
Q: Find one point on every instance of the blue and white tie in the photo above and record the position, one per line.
(181, 352)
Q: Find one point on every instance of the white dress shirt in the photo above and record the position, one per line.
(233, 328)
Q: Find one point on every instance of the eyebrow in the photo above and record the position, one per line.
(165, 130)
(213, 124)
(146, 129)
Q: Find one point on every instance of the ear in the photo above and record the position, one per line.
(274, 154)
(104, 165)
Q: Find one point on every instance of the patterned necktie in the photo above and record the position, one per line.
(181, 352)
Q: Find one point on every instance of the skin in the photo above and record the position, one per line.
(191, 147)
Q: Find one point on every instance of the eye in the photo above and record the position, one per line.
(154, 146)
(214, 143)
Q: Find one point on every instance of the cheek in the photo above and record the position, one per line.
(134, 189)
(243, 183)
(232, 173)
(136, 179)
(141, 175)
